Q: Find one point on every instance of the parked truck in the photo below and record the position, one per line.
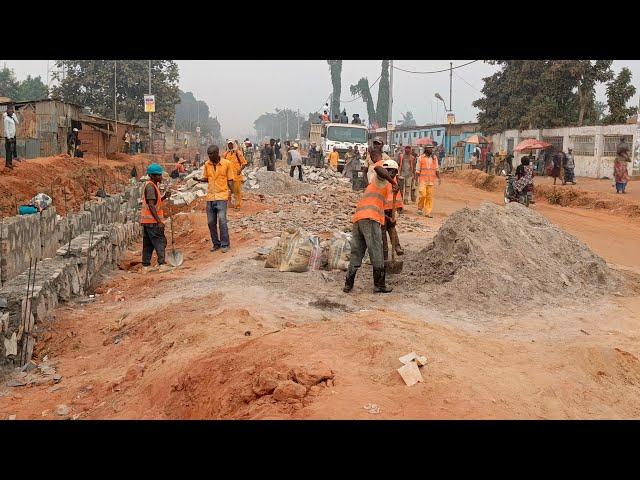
(339, 135)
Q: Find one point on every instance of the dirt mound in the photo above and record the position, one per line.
(508, 256)
(574, 197)
(481, 180)
(277, 183)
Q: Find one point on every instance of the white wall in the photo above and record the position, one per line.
(595, 166)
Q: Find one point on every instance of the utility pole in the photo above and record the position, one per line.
(450, 82)
(115, 93)
(298, 136)
(286, 114)
(150, 138)
(390, 113)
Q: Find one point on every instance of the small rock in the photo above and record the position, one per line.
(57, 377)
(312, 375)
(266, 381)
(289, 391)
(27, 367)
(16, 383)
(12, 417)
(55, 388)
(62, 410)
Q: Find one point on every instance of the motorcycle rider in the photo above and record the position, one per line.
(524, 178)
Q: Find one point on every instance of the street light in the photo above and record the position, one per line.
(439, 97)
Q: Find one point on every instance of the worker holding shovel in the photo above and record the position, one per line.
(152, 220)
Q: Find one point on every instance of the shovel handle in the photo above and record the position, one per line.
(393, 217)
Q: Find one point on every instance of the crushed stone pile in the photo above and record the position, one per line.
(506, 256)
(280, 182)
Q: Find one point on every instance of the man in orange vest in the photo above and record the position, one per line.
(152, 219)
(218, 173)
(238, 162)
(368, 220)
(333, 159)
(389, 226)
(406, 169)
(426, 173)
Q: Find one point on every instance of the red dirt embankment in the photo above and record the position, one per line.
(79, 177)
(563, 195)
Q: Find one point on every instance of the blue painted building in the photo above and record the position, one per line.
(442, 134)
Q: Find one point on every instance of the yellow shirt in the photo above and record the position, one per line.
(333, 159)
(217, 177)
(237, 160)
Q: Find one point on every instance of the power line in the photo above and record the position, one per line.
(479, 91)
(436, 71)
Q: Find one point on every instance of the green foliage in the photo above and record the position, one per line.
(408, 120)
(274, 124)
(191, 112)
(362, 88)
(382, 106)
(335, 67)
(540, 94)
(8, 83)
(91, 83)
(32, 88)
(619, 91)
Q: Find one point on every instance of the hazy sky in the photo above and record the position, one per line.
(238, 91)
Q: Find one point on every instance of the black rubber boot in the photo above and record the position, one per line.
(351, 277)
(379, 281)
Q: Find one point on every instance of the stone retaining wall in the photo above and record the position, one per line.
(99, 237)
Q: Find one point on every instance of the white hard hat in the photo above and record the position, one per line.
(390, 164)
(295, 145)
(75, 129)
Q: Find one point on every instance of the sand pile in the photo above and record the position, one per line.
(504, 257)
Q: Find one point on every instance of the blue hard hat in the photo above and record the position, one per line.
(154, 169)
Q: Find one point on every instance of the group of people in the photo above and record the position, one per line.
(132, 143)
(223, 175)
(339, 118)
(557, 164)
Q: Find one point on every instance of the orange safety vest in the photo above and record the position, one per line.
(371, 205)
(145, 213)
(428, 168)
(388, 201)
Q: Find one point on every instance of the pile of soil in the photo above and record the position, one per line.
(277, 183)
(507, 257)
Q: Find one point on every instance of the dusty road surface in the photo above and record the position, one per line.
(224, 337)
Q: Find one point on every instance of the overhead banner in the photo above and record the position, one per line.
(149, 103)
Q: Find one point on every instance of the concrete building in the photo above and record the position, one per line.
(443, 134)
(594, 147)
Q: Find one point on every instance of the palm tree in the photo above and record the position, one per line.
(335, 67)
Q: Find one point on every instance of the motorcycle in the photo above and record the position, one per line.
(510, 194)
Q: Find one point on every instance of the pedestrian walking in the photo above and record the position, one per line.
(296, 161)
(557, 159)
(569, 169)
(238, 163)
(333, 159)
(218, 173)
(426, 173)
(127, 142)
(406, 167)
(72, 142)
(620, 170)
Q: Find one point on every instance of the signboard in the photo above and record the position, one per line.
(198, 130)
(149, 103)
(390, 126)
(451, 118)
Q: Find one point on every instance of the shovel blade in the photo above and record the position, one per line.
(393, 267)
(175, 258)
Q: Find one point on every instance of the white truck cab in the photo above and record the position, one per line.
(341, 136)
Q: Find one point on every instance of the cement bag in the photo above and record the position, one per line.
(339, 251)
(41, 201)
(296, 256)
(316, 258)
(275, 255)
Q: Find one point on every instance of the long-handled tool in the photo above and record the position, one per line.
(174, 257)
(392, 266)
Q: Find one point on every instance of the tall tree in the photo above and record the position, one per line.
(589, 73)
(362, 88)
(619, 91)
(191, 112)
(382, 106)
(8, 83)
(91, 83)
(32, 88)
(335, 67)
(408, 120)
(271, 124)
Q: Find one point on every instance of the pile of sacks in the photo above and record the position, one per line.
(298, 251)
